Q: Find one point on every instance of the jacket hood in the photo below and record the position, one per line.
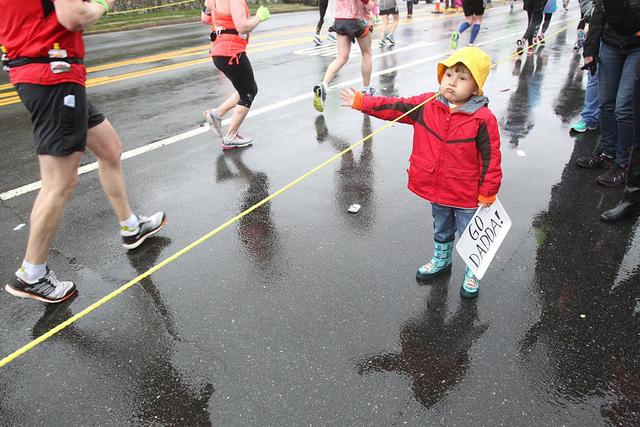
(474, 103)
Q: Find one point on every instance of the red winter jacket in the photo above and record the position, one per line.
(456, 156)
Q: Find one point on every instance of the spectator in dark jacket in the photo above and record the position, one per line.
(626, 20)
(616, 56)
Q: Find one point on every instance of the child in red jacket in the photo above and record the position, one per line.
(455, 163)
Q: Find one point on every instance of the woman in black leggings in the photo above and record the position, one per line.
(534, 10)
(323, 10)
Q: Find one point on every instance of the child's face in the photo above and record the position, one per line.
(458, 84)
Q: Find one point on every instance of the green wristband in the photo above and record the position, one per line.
(104, 3)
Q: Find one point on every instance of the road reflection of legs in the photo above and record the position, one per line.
(355, 176)
(256, 230)
(138, 367)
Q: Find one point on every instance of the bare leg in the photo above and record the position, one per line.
(239, 114)
(385, 21)
(59, 176)
(344, 47)
(103, 142)
(396, 19)
(227, 105)
(367, 65)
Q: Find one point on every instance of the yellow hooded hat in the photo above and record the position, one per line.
(475, 59)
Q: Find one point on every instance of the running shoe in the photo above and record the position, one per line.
(382, 42)
(470, 44)
(582, 127)
(597, 159)
(317, 40)
(565, 5)
(614, 177)
(371, 92)
(238, 141)
(332, 37)
(512, 3)
(131, 239)
(531, 50)
(520, 46)
(47, 289)
(540, 39)
(214, 121)
(454, 40)
(319, 96)
(391, 40)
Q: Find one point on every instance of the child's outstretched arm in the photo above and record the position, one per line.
(382, 107)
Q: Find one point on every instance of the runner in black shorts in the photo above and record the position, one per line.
(388, 7)
(353, 28)
(59, 131)
(473, 12)
(64, 125)
(353, 22)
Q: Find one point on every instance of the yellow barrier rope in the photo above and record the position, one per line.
(150, 8)
(178, 254)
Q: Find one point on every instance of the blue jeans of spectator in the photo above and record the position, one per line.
(446, 220)
(591, 112)
(615, 81)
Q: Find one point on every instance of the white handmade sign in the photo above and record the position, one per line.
(483, 236)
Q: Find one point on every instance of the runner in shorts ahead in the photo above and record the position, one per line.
(473, 12)
(352, 23)
(44, 45)
(388, 7)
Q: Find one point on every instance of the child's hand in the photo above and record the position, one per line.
(348, 95)
(485, 205)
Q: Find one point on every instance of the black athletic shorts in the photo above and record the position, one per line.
(473, 7)
(392, 11)
(354, 28)
(61, 115)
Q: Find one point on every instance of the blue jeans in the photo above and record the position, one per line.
(447, 219)
(591, 111)
(615, 80)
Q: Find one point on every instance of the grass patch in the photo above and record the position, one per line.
(153, 17)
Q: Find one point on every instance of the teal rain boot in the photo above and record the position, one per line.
(440, 262)
(470, 285)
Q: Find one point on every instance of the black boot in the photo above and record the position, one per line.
(629, 206)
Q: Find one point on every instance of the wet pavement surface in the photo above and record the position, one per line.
(301, 313)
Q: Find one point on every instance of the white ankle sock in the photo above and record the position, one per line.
(32, 272)
(130, 225)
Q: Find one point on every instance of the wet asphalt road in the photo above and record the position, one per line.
(301, 313)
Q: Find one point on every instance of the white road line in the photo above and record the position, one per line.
(200, 130)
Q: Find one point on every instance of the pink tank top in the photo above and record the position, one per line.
(226, 44)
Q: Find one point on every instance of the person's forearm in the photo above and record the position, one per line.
(247, 25)
(78, 15)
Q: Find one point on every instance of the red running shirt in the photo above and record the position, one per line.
(29, 28)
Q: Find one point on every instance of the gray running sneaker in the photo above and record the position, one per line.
(47, 289)
(131, 239)
(214, 121)
(371, 92)
(238, 141)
